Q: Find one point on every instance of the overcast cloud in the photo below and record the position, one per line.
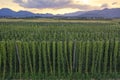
(53, 4)
(104, 5)
(43, 3)
(114, 3)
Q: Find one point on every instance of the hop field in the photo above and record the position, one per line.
(59, 49)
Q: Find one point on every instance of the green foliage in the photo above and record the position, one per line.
(52, 50)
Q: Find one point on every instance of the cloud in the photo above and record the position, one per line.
(43, 3)
(104, 5)
(53, 4)
(114, 3)
(83, 7)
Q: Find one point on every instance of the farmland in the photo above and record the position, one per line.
(59, 49)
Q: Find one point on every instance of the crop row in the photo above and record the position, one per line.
(58, 58)
(28, 31)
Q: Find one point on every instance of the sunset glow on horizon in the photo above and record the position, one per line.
(58, 6)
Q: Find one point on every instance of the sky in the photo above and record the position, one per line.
(58, 6)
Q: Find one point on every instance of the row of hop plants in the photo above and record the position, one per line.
(57, 35)
(35, 60)
(32, 31)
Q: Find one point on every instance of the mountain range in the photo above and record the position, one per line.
(8, 13)
(105, 13)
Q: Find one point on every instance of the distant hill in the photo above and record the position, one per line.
(105, 13)
(75, 13)
(8, 13)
